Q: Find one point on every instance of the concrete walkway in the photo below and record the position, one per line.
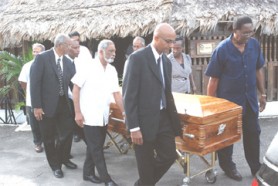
(270, 111)
(21, 165)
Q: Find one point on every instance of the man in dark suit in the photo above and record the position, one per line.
(50, 77)
(151, 115)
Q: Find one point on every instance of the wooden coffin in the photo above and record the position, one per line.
(208, 123)
(116, 123)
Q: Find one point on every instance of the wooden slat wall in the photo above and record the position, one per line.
(269, 45)
(199, 64)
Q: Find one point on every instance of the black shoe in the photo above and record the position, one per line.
(58, 173)
(92, 178)
(70, 165)
(254, 171)
(76, 138)
(38, 148)
(234, 174)
(70, 156)
(111, 183)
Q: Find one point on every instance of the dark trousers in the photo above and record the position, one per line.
(37, 139)
(76, 130)
(59, 126)
(251, 142)
(155, 157)
(95, 137)
(79, 132)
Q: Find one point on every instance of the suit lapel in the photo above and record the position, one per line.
(54, 66)
(53, 63)
(165, 71)
(64, 66)
(152, 63)
(66, 71)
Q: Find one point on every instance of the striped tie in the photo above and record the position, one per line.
(60, 76)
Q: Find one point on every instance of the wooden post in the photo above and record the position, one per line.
(25, 47)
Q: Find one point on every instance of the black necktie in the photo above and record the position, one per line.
(71, 84)
(74, 66)
(163, 97)
(60, 77)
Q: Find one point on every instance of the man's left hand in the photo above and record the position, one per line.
(262, 103)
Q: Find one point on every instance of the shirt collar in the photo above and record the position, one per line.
(70, 58)
(247, 45)
(57, 56)
(99, 64)
(155, 53)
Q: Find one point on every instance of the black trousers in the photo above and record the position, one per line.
(251, 143)
(37, 139)
(95, 137)
(76, 130)
(154, 158)
(59, 126)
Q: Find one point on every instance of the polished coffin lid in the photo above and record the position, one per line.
(209, 123)
(200, 109)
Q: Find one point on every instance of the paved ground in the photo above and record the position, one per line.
(21, 165)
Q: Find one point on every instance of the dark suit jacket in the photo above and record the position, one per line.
(142, 93)
(44, 82)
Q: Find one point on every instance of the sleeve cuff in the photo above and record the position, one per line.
(134, 129)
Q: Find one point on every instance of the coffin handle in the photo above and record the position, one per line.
(191, 136)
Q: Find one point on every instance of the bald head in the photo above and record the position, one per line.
(163, 37)
(164, 28)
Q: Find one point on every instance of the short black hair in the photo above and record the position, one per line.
(179, 38)
(74, 33)
(240, 21)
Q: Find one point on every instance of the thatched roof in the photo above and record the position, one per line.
(41, 20)
(205, 14)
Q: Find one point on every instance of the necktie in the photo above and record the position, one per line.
(163, 97)
(60, 77)
(71, 84)
(73, 65)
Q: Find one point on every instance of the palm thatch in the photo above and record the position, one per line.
(40, 20)
(206, 14)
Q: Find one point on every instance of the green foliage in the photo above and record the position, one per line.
(19, 105)
(10, 68)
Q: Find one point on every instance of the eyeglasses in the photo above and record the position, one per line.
(169, 41)
(246, 34)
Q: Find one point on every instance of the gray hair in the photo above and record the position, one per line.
(142, 40)
(104, 44)
(60, 39)
(41, 46)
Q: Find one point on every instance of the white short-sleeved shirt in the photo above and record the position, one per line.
(24, 76)
(80, 62)
(83, 58)
(97, 86)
